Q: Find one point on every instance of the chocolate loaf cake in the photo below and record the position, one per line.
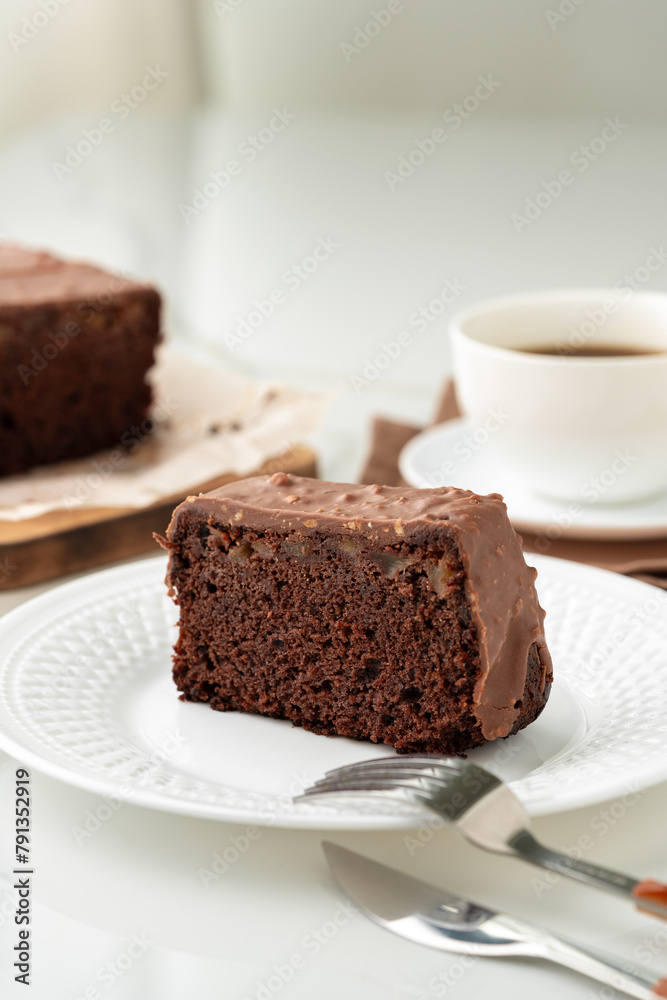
(402, 616)
(75, 345)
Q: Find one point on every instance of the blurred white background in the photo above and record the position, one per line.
(567, 57)
(272, 165)
(278, 175)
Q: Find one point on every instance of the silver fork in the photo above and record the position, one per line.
(484, 810)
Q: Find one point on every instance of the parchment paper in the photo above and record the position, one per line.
(208, 421)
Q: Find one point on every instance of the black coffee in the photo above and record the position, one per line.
(591, 351)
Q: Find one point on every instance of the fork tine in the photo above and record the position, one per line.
(453, 764)
(411, 776)
(334, 787)
(436, 782)
(424, 785)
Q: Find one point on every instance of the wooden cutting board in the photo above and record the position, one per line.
(62, 542)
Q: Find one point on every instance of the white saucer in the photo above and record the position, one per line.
(445, 447)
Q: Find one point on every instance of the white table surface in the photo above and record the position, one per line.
(138, 875)
(137, 879)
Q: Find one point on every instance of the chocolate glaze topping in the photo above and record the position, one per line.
(33, 277)
(499, 586)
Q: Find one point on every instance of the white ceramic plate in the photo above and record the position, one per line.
(86, 696)
(469, 464)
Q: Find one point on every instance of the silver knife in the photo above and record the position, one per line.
(430, 916)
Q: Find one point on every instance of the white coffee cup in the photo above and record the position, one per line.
(572, 427)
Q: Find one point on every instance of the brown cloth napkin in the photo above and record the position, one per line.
(645, 559)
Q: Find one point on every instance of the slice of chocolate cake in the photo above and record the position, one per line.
(403, 616)
(75, 345)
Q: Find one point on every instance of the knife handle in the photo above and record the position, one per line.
(605, 968)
